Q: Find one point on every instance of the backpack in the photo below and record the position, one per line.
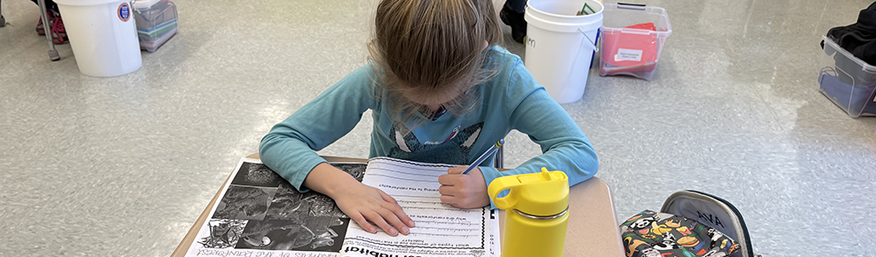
(690, 224)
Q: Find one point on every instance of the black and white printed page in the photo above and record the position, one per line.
(441, 230)
(259, 214)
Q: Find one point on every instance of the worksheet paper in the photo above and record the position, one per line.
(259, 214)
(441, 230)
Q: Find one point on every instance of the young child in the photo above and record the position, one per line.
(440, 91)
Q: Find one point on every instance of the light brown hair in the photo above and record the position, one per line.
(431, 51)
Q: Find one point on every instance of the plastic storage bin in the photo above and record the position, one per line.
(156, 22)
(632, 38)
(847, 81)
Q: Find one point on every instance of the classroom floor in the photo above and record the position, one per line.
(123, 166)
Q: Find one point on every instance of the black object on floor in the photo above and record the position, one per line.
(516, 21)
(858, 38)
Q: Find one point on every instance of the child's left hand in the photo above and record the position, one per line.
(463, 191)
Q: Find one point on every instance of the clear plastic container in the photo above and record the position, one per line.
(632, 38)
(156, 22)
(847, 81)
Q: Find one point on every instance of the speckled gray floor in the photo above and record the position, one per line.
(123, 166)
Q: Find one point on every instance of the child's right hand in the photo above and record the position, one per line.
(366, 205)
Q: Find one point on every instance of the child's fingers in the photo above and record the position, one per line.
(378, 220)
(446, 190)
(449, 179)
(397, 210)
(448, 195)
(393, 220)
(452, 201)
(363, 223)
(449, 200)
(386, 197)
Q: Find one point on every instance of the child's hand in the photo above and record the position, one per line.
(362, 203)
(463, 191)
(366, 204)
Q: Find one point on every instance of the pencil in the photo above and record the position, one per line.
(484, 156)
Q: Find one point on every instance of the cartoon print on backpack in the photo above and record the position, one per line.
(642, 225)
(632, 245)
(660, 217)
(625, 227)
(454, 149)
(660, 229)
(660, 234)
(690, 242)
(650, 252)
(715, 253)
(725, 242)
(667, 244)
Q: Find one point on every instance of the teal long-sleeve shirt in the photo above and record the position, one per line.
(510, 100)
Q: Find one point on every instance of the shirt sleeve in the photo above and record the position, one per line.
(289, 148)
(564, 146)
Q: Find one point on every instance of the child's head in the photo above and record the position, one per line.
(430, 52)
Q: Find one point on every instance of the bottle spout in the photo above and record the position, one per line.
(546, 174)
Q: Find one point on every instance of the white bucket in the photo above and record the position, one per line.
(103, 36)
(560, 45)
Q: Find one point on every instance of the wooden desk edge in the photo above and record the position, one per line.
(190, 237)
(619, 241)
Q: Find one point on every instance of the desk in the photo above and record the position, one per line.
(593, 227)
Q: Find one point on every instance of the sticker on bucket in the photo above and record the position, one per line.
(628, 55)
(124, 12)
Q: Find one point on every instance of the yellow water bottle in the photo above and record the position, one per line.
(536, 213)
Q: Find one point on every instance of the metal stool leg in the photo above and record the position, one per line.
(2, 20)
(53, 53)
(499, 161)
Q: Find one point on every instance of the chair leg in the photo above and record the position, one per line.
(2, 20)
(53, 53)
(499, 161)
